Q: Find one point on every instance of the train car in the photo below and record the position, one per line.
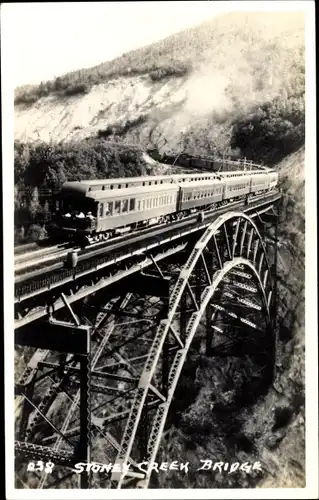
(259, 182)
(236, 185)
(99, 209)
(200, 193)
(85, 214)
(273, 179)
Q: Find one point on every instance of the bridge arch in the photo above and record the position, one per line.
(230, 246)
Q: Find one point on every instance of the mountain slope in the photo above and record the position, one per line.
(190, 85)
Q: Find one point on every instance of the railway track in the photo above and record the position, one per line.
(25, 247)
(51, 258)
(33, 270)
(40, 258)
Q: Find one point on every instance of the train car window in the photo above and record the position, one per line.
(161, 182)
(132, 204)
(139, 205)
(150, 183)
(117, 207)
(119, 186)
(101, 210)
(109, 208)
(143, 183)
(124, 205)
(155, 182)
(111, 186)
(103, 188)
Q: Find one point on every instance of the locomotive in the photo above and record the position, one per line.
(94, 210)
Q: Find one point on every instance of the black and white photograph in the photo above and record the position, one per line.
(160, 249)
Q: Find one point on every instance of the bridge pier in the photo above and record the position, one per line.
(66, 339)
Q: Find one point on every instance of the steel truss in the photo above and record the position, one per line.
(109, 372)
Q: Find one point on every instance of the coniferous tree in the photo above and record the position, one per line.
(34, 205)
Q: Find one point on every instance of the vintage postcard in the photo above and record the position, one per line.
(160, 249)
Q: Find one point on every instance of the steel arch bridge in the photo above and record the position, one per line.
(218, 295)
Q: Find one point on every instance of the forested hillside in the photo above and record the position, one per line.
(231, 85)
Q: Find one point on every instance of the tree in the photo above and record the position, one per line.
(16, 198)
(34, 205)
(46, 211)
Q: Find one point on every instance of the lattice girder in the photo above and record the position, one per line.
(232, 244)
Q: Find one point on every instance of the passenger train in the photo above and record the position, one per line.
(93, 210)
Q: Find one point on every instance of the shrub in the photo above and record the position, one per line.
(36, 233)
(177, 70)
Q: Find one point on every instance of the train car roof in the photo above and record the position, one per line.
(134, 191)
(145, 178)
(243, 173)
(124, 193)
(124, 180)
(197, 184)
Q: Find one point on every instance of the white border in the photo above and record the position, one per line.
(311, 489)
